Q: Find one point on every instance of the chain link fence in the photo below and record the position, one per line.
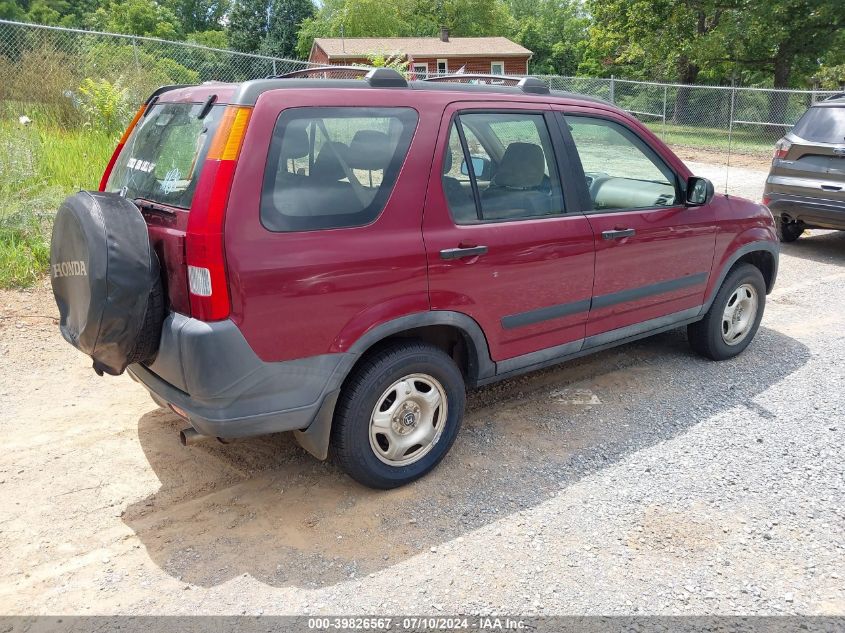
(720, 118)
(45, 67)
(65, 95)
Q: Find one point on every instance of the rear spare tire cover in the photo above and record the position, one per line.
(106, 280)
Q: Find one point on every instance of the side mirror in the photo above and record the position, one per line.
(699, 191)
(480, 165)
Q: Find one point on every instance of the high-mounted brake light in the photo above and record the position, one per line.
(781, 148)
(204, 239)
(105, 179)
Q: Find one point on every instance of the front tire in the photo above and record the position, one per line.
(398, 415)
(734, 316)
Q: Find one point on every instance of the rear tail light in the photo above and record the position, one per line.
(781, 148)
(206, 261)
(105, 179)
(766, 200)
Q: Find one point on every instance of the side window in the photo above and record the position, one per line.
(333, 167)
(500, 166)
(622, 171)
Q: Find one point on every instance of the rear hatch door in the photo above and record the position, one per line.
(158, 169)
(815, 163)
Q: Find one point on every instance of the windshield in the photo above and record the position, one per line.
(164, 155)
(822, 124)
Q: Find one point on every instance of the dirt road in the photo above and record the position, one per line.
(639, 480)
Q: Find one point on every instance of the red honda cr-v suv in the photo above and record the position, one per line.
(342, 257)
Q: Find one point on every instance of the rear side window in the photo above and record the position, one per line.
(823, 124)
(163, 157)
(500, 166)
(333, 167)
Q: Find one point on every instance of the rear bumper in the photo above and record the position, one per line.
(209, 371)
(828, 214)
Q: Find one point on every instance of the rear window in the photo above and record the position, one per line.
(333, 167)
(163, 157)
(822, 124)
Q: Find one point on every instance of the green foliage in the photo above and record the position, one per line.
(356, 18)
(212, 39)
(555, 30)
(247, 25)
(105, 104)
(38, 84)
(143, 67)
(831, 77)
(399, 63)
(286, 17)
(778, 42)
(42, 165)
(137, 17)
(196, 16)
(374, 18)
(24, 249)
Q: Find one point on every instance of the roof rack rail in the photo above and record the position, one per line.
(530, 85)
(838, 95)
(375, 77)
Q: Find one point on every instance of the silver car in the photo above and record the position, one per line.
(806, 184)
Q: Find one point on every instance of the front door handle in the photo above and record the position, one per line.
(617, 234)
(831, 188)
(465, 251)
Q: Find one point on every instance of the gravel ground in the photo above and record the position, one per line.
(641, 480)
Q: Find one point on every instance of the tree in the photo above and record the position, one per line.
(285, 19)
(785, 40)
(137, 17)
(356, 18)
(247, 25)
(199, 15)
(473, 18)
(784, 37)
(674, 40)
(554, 30)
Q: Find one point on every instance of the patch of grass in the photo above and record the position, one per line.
(745, 139)
(40, 166)
(24, 250)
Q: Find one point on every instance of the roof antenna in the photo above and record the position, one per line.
(342, 41)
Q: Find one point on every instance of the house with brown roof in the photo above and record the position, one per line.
(428, 55)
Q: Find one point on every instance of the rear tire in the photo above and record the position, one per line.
(734, 316)
(789, 230)
(398, 415)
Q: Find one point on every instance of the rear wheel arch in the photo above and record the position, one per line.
(457, 334)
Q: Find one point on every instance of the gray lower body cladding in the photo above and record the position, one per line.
(209, 371)
(817, 212)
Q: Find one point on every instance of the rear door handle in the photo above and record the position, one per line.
(831, 188)
(467, 251)
(618, 234)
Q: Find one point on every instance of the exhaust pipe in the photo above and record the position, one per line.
(189, 436)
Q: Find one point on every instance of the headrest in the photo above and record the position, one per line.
(294, 142)
(447, 161)
(327, 167)
(522, 166)
(370, 149)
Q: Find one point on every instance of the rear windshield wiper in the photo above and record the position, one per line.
(148, 205)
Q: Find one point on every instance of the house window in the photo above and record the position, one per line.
(497, 68)
(420, 71)
(442, 67)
